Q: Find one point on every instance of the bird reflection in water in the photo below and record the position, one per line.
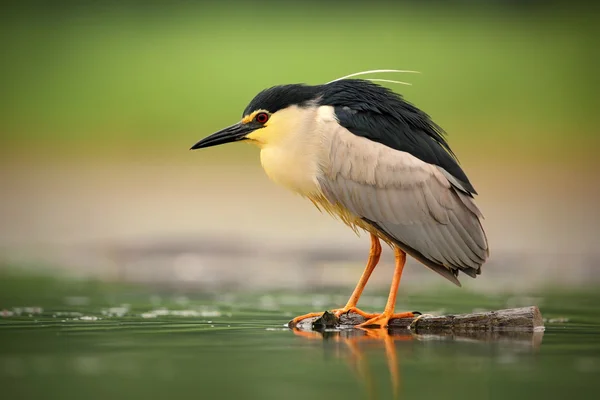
(358, 345)
(356, 342)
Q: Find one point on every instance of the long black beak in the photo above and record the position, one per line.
(232, 133)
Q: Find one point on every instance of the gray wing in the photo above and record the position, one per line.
(415, 203)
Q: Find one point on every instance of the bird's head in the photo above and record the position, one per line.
(269, 117)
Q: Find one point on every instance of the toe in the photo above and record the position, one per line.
(341, 311)
(380, 320)
(407, 314)
(383, 320)
(301, 318)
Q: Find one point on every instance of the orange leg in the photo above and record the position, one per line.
(374, 255)
(388, 313)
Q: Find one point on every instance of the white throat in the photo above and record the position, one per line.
(293, 159)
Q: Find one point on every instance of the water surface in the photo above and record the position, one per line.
(96, 341)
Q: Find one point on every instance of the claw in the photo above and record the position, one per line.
(413, 324)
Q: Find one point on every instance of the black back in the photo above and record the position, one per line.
(379, 114)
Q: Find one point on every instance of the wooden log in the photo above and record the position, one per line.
(525, 319)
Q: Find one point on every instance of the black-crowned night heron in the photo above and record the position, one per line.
(365, 155)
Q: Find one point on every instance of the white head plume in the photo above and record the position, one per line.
(376, 71)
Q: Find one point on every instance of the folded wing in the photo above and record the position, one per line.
(415, 204)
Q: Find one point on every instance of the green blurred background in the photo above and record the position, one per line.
(130, 266)
(100, 102)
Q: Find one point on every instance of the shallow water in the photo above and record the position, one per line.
(72, 341)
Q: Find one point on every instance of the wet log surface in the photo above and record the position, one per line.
(515, 320)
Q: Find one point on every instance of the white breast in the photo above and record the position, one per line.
(291, 167)
(293, 161)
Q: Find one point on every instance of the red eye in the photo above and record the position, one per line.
(262, 117)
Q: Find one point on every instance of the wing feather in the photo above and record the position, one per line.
(412, 202)
(436, 206)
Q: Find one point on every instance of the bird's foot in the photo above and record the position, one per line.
(301, 318)
(376, 319)
(382, 320)
(338, 312)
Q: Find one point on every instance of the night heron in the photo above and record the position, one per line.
(362, 153)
